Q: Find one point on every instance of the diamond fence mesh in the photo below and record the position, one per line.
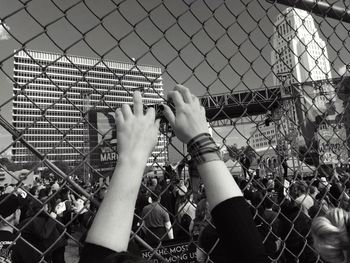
(272, 76)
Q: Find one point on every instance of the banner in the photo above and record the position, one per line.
(332, 145)
(173, 252)
(102, 140)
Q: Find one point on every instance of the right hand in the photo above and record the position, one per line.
(137, 132)
(190, 119)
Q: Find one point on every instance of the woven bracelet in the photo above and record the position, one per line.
(202, 149)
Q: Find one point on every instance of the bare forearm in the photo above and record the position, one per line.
(170, 230)
(219, 184)
(112, 225)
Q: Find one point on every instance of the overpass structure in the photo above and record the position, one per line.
(223, 109)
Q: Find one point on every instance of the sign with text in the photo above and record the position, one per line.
(332, 145)
(103, 140)
(173, 252)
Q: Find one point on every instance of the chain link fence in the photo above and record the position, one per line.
(272, 76)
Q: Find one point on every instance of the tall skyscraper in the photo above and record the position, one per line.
(299, 54)
(53, 93)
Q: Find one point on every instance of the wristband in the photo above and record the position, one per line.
(202, 149)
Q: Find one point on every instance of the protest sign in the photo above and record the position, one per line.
(173, 252)
(102, 140)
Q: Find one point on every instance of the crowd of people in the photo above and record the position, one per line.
(282, 208)
(242, 219)
(39, 219)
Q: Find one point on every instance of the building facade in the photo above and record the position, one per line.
(263, 137)
(299, 54)
(54, 93)
(301, 68)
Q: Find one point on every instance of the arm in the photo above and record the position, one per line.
(230, 211)
(137, 135)
(200, 255)
(189, 122)
(169, 229)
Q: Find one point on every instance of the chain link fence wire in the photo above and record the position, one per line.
(272, 76)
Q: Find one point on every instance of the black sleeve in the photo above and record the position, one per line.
(96, 254)
(237, 230)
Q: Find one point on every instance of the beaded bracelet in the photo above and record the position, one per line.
(202, 149)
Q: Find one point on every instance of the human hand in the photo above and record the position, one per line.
(137, 133)
(189, 119)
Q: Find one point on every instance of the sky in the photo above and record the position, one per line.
(211, 46)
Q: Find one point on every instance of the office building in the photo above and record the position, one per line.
(54, 92)
(299, 54)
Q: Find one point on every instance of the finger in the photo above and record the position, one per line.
(169, 115)
(176, 97)
(138, 108)
(119, 116)
(127, 113)
(196, 100)
(185, 92)
(151, 113)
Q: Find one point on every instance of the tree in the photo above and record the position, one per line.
(29, 166)
(11, 166)
(48, 174)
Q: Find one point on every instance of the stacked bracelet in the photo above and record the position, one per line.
(202, 149)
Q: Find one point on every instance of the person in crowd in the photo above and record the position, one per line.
(271, 225)
(156, 221)
(108, 237)
(303, 198)
(34, 191)
(330, 233)
(186, 212)
(102, 193)
(168, 199)
(66, 202)
(10, 212)
(41, 229)
(313, 191)
(267, 221)
(81, 207)
(202, 217)
(295, 232)
(55, 186)
(14, 247)
(44, 193)
(154, 185)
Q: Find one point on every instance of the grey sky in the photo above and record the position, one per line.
(202, 44)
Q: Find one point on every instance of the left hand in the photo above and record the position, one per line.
(137, 133)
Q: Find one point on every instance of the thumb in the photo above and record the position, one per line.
(169, 115)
